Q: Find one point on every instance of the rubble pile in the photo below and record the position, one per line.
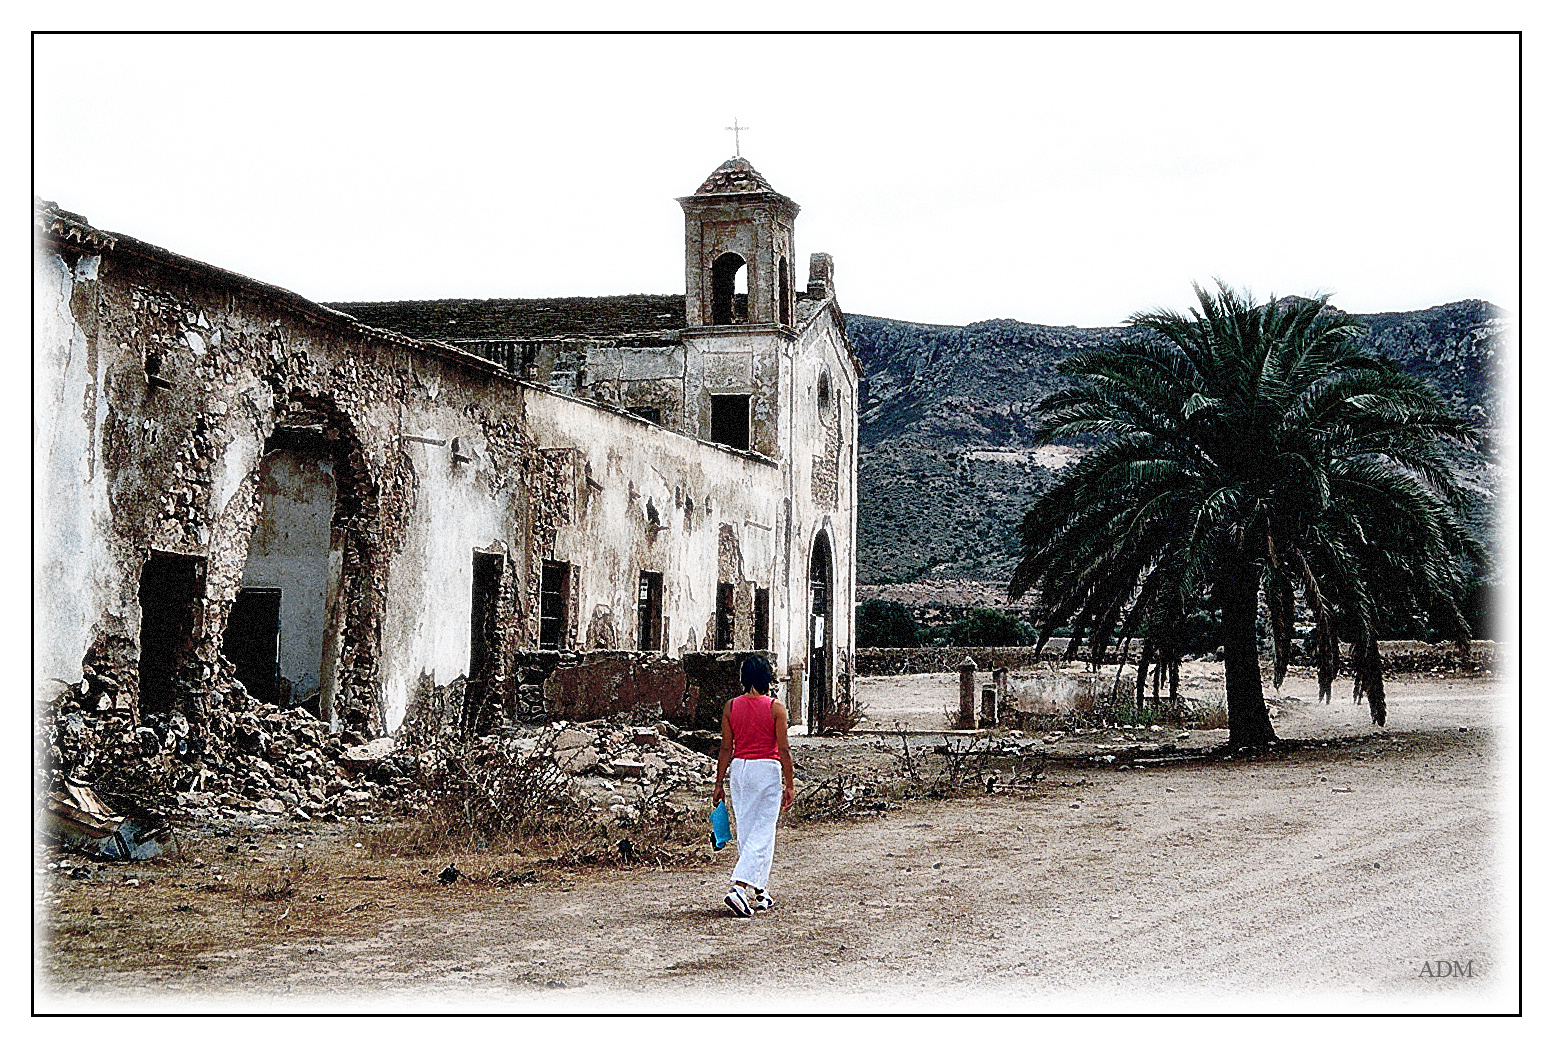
(106, 747)
(609, 772)
(287, 763)
(272, 760)
(627, 771)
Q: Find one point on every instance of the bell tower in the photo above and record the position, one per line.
(738, 230)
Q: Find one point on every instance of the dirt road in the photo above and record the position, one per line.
(1334, 878)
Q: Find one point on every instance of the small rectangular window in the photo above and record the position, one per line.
(762, 639)
(724, 616)
(650, 414)
(649, 611)
(554, 596)
(731, 421)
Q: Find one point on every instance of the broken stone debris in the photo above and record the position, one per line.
(368, 754)
(624, 769)
(287, 763)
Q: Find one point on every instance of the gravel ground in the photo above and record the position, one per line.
(1333, 877)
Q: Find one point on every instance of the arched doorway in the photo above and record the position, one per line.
(821, 632)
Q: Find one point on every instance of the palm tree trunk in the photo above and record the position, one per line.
(1249, 724)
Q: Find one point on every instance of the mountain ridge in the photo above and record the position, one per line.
(947, 458)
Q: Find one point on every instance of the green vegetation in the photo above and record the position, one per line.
(1242, 455)
(990, 628)
(888, 624)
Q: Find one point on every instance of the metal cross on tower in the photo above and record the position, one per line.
(736, 129)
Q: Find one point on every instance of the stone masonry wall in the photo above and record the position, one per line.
(1396, 657)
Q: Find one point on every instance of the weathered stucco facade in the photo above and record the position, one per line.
(367, 507)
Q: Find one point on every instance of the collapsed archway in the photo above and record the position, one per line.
(304, 626)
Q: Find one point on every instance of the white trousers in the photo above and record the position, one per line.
(755, 788)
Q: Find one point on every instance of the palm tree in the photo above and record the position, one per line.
(1242, 453)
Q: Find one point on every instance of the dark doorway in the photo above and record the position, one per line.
(252, 642)
(821, 633)
(761, 641)
(649, 611)
(731, 421)
(554, 596)
(484, 642)
(724, 616)
(171, 586)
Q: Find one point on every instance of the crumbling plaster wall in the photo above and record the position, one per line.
(130, 464)
(643, 374)
(639, 497)
(77, 578)
(161, 380)
(474, 498)
(726, 361)
(822, 474)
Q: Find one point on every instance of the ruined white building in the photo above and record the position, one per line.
(376, 506)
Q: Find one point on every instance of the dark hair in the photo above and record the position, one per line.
(756, 674)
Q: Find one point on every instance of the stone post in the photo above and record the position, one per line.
(989, 706)
(968, 693)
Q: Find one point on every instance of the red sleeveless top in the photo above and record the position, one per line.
(754, 729)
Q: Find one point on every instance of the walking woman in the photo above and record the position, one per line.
(758, 765)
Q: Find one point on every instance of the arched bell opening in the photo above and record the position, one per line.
(730, 289)
(784, 293)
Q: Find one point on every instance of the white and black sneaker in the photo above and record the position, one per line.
(762, 900)
(738, 903)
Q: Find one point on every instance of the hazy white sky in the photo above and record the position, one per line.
(1052, 179)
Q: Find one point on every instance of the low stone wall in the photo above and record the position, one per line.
(579, 686)
(711, 679)
(590, 685)
(688, 692)
(889, 662)
(1397, 656)
(1411, 656)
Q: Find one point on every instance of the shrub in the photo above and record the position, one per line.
(887, 624)
(990, 628)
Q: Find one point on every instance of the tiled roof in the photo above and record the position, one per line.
(736, 175)
(69, 227)
(517, 318)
